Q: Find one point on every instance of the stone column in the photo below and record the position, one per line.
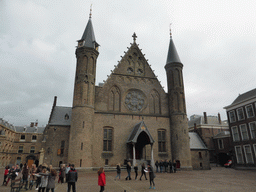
(134, 156)
(152, 157)
(41, 158)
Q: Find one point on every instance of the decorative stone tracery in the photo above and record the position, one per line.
(135, 100)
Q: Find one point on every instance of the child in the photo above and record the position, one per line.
(101, 179)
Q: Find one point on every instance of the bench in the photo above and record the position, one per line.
(16, 185)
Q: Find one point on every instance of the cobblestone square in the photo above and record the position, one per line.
(216, 179)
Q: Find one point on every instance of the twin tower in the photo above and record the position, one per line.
(130, 104)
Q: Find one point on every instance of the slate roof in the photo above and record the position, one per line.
(245, 96)
(195, 141)
(199, 120)
(88, 36)
(22, 129)
(173, 56)
(61, 116)
(137, 129)
(222, 134)
(6, 124)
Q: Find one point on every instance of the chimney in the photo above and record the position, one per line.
(32, 124)
(55, 101)
(36, 123)
(219, 118)
(205, 118)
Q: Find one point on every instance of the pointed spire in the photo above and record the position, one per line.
(88, 38)
(173, 56)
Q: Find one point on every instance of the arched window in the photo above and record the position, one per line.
(107, 138)
(154, 105)
(114, 99)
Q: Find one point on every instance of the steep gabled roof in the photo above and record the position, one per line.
(195, 141)
(245, 96)
(61, 116)
(137, 129)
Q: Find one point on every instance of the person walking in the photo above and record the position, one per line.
(143, 171)
(32, 178)
(72, 178)
(62, 173)
(165, 166)
(174, 164)
(66, 171)
(118, 171)
(170, 165)
(151, 176)
(161, 164)
(156, 164)
(25, 174)
(101, 179)
(136, 171)
(38, 179)
(5, 174)
(128, 167)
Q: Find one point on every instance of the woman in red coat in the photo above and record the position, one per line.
(101, 179)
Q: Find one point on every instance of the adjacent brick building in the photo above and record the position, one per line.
(20, 144)
(242, 124)
(207, 127)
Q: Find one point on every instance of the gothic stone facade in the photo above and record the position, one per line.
(128, 118)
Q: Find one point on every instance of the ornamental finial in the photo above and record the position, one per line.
(90, 15)
(170, 29)
(134, 37)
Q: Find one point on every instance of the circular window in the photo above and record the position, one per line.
(135, 100)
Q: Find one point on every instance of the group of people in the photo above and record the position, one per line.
(162, 166)
(144, 170)
(44, 176)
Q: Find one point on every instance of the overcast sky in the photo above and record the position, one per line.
(216, 42)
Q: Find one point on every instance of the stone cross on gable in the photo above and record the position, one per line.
(134, 37)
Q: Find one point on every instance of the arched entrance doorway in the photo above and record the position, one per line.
(140, 143)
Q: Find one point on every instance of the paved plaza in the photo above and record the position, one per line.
(216, 179)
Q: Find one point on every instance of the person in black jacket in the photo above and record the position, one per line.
(136, 171)
(118, 171)
(161, 164)
(170, 165)
(151, 177)
(128, 167)
(165, 166)
(174, 166)
(156, 164)
(143, 171)
(72, 178)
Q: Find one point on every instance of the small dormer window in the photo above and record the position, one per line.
(80, 43)
(66, 117)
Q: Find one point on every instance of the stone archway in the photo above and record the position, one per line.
(138, 139)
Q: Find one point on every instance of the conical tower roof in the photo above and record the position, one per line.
(173, 56)
(88, 36)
